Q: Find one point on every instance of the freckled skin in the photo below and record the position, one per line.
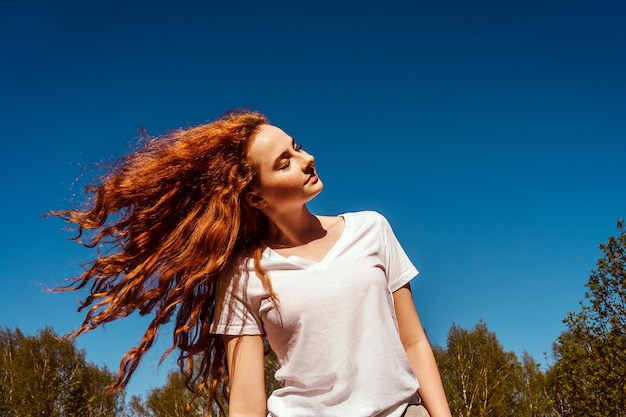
(287, 176)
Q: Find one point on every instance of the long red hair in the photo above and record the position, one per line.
(167, 219)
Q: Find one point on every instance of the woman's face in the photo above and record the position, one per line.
(286, 173)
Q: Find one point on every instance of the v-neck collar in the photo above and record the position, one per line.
(270, 254)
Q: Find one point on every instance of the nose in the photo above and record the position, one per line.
(308, 161)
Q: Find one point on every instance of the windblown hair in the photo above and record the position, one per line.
(167, 219)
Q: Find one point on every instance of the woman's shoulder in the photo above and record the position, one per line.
(242, 260)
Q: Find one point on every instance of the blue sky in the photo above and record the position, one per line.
(491, 134)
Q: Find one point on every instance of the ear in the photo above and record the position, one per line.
(254, 200)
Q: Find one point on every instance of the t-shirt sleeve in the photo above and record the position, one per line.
(234, 313)
(399, 268)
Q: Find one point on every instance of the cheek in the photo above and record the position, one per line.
(285, 181)
(283, 187)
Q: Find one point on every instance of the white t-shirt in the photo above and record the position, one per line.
(335, 333)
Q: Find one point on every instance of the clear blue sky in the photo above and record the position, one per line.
(491, 134)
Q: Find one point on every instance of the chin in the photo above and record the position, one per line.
(318, 190)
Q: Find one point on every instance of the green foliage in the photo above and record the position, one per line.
(172, 399)
(271, 366)
(532, 400)
(481, 379)
(44, 375)
(588, 377)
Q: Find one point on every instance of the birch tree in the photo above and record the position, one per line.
(44, 375)
(480, 378)
(588, 377)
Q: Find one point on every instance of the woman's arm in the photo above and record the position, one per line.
(420, 354)
(245, 355)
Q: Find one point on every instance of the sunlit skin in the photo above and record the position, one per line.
(195, 223)
(286, 181)
(286, 173)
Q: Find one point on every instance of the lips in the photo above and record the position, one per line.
(313, 178)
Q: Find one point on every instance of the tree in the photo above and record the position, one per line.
(174, 399)
(588, 377)
(481, 379)
(44, 375)
(532, 399)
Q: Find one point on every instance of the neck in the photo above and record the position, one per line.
(295, 228)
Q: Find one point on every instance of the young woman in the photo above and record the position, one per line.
(209, 226)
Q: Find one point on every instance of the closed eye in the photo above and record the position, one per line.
(283, 161)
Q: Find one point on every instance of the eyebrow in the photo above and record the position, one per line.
(285, 154)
